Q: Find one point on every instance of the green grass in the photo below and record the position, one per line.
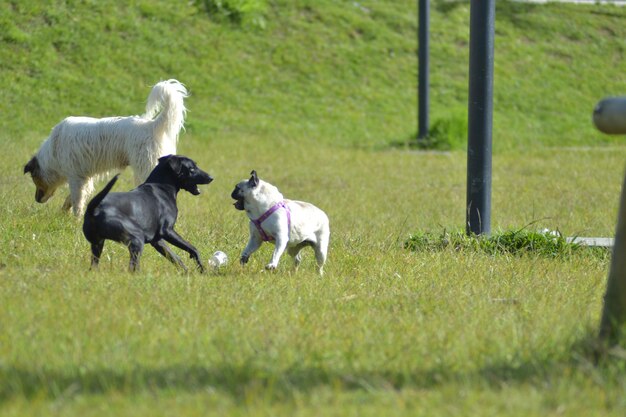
(313, 101)
(549, 243)
(386, 328)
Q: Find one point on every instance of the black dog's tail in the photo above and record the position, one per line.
(95, 202)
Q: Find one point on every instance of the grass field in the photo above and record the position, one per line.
(312, 101)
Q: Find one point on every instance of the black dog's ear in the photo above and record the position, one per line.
(254, 180)
(165, 158)
(174, 163)
(31, 166)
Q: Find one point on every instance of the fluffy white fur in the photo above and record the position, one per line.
(81, 148)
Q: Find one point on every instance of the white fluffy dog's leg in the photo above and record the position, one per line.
(67, 204)
(142, 167)
(80, 190)
(139, 179)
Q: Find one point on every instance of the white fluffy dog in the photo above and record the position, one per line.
(79, 149)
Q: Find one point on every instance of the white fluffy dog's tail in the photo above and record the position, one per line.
(166, 107)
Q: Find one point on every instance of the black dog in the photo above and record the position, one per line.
(146, 214)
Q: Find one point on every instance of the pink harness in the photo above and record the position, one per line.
(268, 213)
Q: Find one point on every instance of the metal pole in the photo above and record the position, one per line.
(422, 84)
(480, 116)
(609, 116)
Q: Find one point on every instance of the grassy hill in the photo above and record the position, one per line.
(341, 73)
(312, 94)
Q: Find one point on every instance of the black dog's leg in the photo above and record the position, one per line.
(96, 251)
(175, 239)
(165, 250)
(135, 247)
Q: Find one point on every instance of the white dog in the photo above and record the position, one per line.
(79, 149)
(289, 224)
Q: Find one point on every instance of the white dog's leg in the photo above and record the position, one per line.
(253, 244)
(138, 179)
(67, 204)
(80, 190)
(142, 167)
(294, 252)
(281, 245)
(321, 250)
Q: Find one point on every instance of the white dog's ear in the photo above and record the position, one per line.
(31, 166)
(254, 180)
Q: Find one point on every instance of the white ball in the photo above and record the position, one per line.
(218, 259)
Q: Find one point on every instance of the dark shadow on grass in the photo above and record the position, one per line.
(233, 381)
(609, 13)
(239, 381)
